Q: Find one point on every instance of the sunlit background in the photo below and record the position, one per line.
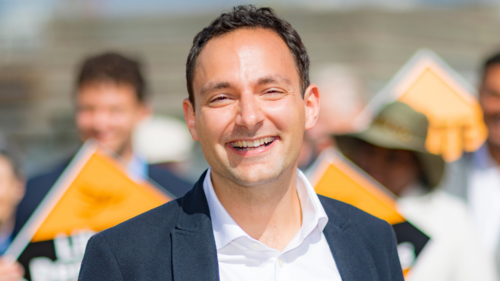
(42, 42)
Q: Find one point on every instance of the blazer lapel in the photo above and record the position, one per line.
(194, 255)
(353, 262)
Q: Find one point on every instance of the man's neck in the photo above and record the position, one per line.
(126, 154)
(6, 228)
(494, 152)
(270, 212)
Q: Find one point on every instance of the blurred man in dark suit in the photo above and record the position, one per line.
(110, 101)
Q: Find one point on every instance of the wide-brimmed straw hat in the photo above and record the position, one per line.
(398, 126)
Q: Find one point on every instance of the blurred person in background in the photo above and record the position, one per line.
(341, 102)
(476, 176)
(12, 186)
(165, 142)
(392, 151)
(110, 101)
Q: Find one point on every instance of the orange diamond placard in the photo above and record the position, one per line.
(430, 86)
(336, 177)
(101, 196)
(94, 193)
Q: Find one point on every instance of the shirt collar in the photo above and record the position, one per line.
(482, 158)
(226, 229)
(137, 168)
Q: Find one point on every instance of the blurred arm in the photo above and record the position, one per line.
(10, 271)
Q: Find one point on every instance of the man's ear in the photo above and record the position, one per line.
(20, 189)
(190, 117)
(311, 103)
(146, 111)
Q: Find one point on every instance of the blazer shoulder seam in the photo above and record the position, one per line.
(113, 254)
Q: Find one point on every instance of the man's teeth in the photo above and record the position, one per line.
(252, 144)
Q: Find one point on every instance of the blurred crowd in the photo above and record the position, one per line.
(456, 203)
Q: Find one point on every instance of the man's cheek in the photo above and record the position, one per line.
(81, 122)
(121, 123)
(86, 131)
(490, 105)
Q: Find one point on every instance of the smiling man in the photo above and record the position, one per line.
(253, 215)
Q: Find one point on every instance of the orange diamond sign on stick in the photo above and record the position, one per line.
(430, 86)
(335, 177)
(93, 194)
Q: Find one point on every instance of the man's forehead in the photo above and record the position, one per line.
(108, 90)
(260, 53)
(252, 40)
(493, 71)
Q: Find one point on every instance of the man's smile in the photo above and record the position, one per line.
(248, 148)
(243, 145)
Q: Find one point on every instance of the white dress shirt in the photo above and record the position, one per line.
(484, 197)
(306, 257)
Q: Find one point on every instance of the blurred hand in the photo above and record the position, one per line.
(449, 136)
(10, 271)
(455, 124)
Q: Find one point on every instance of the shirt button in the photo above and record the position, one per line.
(280, 262)
(255, 246)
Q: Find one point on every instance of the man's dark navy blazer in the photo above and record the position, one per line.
(176, 242)
(39, 186)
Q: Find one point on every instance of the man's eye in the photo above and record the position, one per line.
(219, 99)
(274, 92)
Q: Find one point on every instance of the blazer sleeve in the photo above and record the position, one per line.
(99, 262)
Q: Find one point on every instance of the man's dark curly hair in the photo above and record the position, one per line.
(113, 67)
(491, 61)
(248, 16)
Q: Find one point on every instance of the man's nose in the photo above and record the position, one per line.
(250, 113)
(101, 119)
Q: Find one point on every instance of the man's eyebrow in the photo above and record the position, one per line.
(262, 81)
(493, 92)
(214, 86)
(273, 79)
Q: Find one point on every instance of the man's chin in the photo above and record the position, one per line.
(117, 150)
(110, 147)
(255, 177)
